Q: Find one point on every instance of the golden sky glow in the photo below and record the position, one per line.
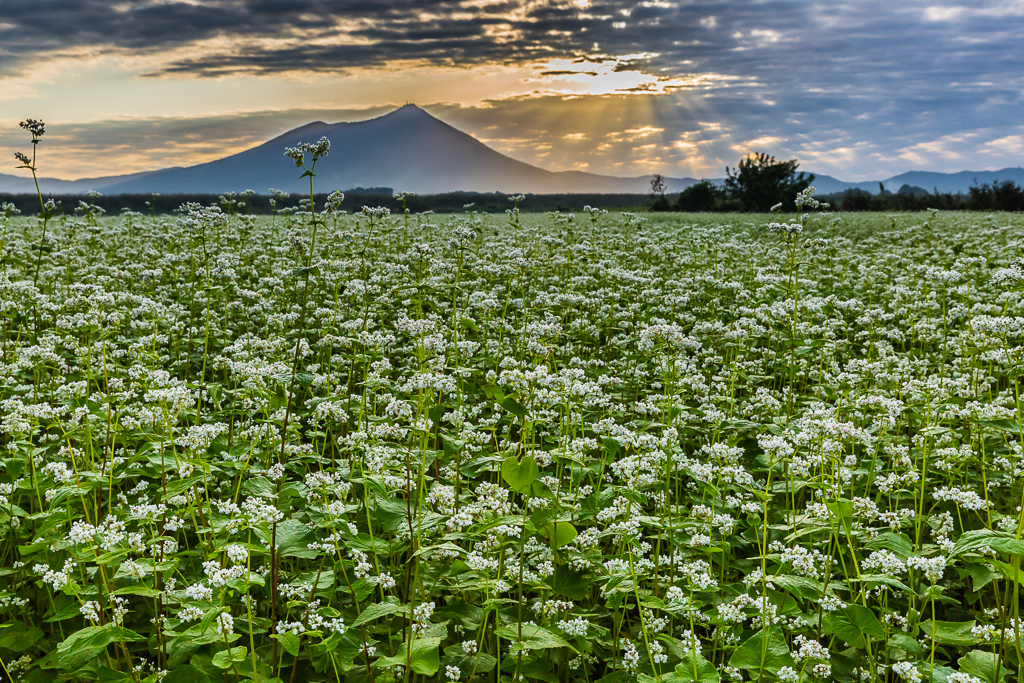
(855, 89)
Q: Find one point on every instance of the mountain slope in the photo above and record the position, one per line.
(407, 149)
(410, 150)
(953, 182)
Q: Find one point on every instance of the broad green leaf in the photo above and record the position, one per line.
(981, 575)
(765, 650)
(951, 633)
(984, 538)
(378, 610)
(481, 661)
(289, 641)
(186, 674)
(693, 670)
(513, 406)
(865, 621)
(534, 637)
(83, 645)
(905, 643)
(106, 675)
(293, 539)
(808, 589)
(981, 664)
(1008, 571)
(17, 637)
(561, 533)
(260, 487)
(423, 658)
(519, 475)
(1006, 425)
(225, 658)
(140, 589)
(899, 544)
(569, 582)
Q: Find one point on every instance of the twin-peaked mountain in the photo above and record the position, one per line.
(410, 150)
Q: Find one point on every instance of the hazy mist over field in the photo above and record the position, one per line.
(857, 90)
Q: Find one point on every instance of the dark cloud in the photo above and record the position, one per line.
(818, 79)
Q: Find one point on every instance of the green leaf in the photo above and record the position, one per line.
(260, 487)
(481, 661)
(983, 665)
(519, 475)
(561, 533)
(569, 583)
(293, 539)
(905, 643)
(808, 589)
(981, 575)
(513, 406)
(1009, 572)
(865, 621)
(1007, 425)
(534, 638)
(88, 643)
(763, 650)
(289, 641)
(378, 610)
(225, 658)
(17, 637)
(186, 674)
(951, 632)
(423, 659)
(105, 675)
(693, 670)
(493, 392)
(141, 589)
(984, 538)
(899, 544)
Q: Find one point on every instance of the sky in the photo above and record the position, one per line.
(858, 90)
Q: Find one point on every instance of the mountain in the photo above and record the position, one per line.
(410, 150)
(407, 149)
(19, 184)
(953, 182)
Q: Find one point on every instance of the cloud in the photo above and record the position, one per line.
(861, 87)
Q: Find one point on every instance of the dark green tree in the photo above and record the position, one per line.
(760, 182)
(702, 196)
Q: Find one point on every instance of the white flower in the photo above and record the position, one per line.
(190, 614)
(907, 671)
(199, 592)
(91, 611)
(225, 623)
(237, 553)
(788, 674)
(574, 627)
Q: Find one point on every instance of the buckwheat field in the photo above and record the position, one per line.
(317, 446)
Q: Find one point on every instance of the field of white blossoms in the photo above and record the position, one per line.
(319, 447)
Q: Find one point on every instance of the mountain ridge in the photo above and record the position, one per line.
(410, 150)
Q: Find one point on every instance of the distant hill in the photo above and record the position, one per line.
(952, 182)
(412, 151)
(407, 149)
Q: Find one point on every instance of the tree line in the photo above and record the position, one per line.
(355, 200)
(760, 183)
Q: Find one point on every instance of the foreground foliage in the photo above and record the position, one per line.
(558, 448)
